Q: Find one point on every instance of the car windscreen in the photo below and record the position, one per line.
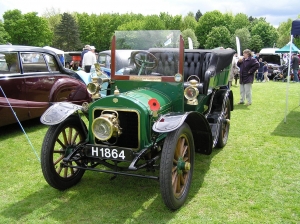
(152, 52)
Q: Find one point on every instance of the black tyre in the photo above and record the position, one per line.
(59, 141)
(225, 125)
(176, 166)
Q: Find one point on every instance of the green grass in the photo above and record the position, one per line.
(254, 179)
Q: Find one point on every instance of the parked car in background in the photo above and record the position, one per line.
(273, 59)
(31, 79)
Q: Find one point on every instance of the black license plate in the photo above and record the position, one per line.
(109, 152)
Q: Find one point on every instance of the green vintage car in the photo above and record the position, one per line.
(167, 104)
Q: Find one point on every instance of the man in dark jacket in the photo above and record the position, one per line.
(295, 67)
(248, 66)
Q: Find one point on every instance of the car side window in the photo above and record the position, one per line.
(52, 62)
(33, 62)
(104, 60)
(9, 63)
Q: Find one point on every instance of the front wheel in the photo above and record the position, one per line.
(59, 141)
(176, 166)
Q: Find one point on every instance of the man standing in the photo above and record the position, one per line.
(85, 50)
(89, 59)
(295, 67)
(248, 65)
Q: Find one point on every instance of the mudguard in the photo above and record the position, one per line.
(58, 112)
(169, 122)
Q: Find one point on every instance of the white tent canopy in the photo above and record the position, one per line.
(57, 51)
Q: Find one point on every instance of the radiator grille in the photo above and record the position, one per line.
(129, 122)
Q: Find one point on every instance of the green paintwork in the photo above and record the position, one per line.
(134, 95)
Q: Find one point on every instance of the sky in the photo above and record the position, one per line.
(275, 12)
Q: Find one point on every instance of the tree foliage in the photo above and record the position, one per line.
(98, 29)
(198, 15)
(67, 34)
(244, 37)
(218, 37)
(206, 24)
(27, 29)
(4, 36)
(189, 22)
(189, 33)
(256, 43)
(267, 32)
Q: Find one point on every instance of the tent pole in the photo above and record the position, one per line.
(288, 80)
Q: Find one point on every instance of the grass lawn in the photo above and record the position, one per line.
(254, 179)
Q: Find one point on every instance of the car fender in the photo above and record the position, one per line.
(58, 112)
(69, 89)
(198, 123)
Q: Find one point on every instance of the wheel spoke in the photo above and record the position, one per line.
(182, 179)
(184, 150)
(174, 162)
(58, 160)
(61, 151)
(74, 138)
(178, 188)
(65, 172)
(59, 169)
(175, 183)
(65, 136)
(70, 135)
(71, 169)
(182, 142)
(62, 144)
(174, 176)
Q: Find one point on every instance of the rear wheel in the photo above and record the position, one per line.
(176, 166)
(60, 140)
(225, 125)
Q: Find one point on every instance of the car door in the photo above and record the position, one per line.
(12, 92)
(41, 71)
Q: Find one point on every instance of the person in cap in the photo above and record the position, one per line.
(93, 49)
(84, 50)
(89, 58)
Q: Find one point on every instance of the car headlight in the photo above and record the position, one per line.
(102, 128)
(107, 125)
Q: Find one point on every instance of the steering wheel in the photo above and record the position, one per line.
(145, 60)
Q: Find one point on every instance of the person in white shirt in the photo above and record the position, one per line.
(88, 60)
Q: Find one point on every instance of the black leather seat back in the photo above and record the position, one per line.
(167, 60)
(192, 65)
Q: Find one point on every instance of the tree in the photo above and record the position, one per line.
(218, 37)
(256, 43)
(189, 33)
(4, 36)
(244, 37)
(53, 17)
(228, 21)
(189, 22)
(267, 32)
(67, 34)
(198, 15)
(171, 22)
(240, 21)
(206, 23)
(27, 29)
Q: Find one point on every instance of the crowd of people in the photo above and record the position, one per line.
(249, 67)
